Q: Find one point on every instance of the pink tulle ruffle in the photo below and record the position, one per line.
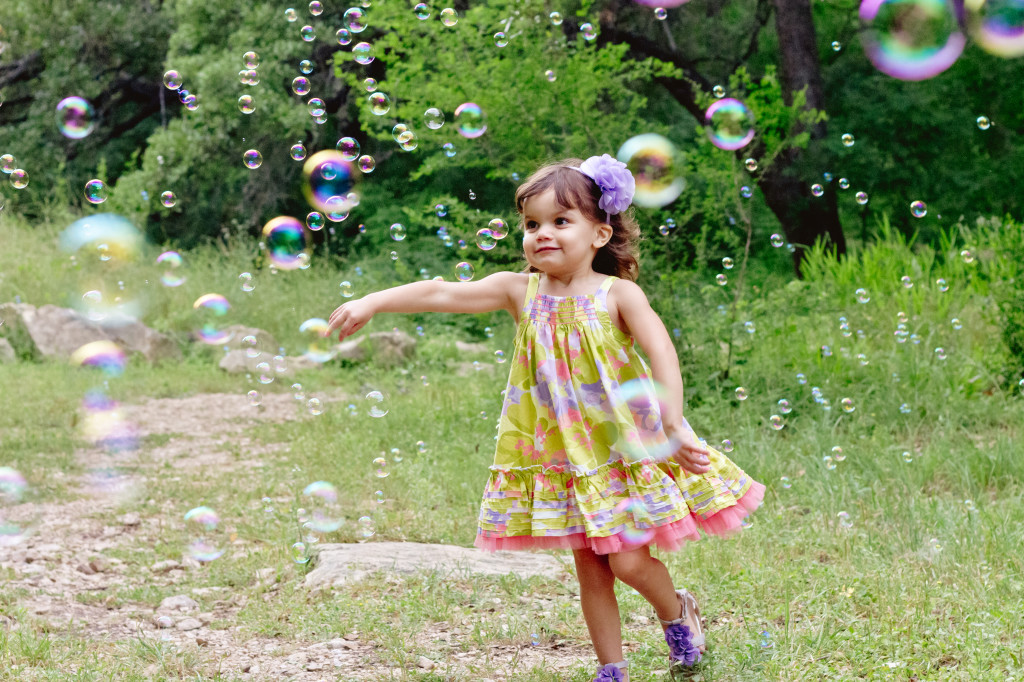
(669, 537)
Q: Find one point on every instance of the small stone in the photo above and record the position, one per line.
(99, 564)
(86, 569)
(130, 519)
(164, 566)
(179, 602)
(339, 643)
(188, 624)
(202, 640)
(313, 666)
(425, 663)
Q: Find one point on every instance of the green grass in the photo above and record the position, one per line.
(924, 582)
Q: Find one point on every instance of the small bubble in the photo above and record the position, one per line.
(817, 190)
(837, 453)
(847, 139)
(861, 197)
(967, 256)
(844, 519)
(776, 422)
(862, 295)
(727, 445)
(905, 408)
(941, 285)
(785, 482)
(907, 456)
(836, 46)
(935, 545)
(801, 378)
(956, 323)
(906, 282)
(750, 164)
(983, 123)
(777, 240)
(848, 405)
(828, 462)
(844, 183)
(784, 406)
(940, 353)
(741, 393)
(918, 209)
(969, 505)
(721, 279)
(315, 406)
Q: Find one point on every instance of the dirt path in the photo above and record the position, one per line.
(65, 579)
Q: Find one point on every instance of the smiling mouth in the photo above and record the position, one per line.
(547, 248)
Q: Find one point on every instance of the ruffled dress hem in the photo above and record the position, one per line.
(669, 537)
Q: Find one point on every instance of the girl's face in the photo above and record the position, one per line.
(559, 240)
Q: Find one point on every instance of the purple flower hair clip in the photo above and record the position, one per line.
(613, 179)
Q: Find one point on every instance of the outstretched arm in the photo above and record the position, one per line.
(649, 331)
(494, 292)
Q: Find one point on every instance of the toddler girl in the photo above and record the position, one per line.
(593, 452)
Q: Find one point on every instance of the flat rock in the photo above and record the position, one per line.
(350, 349)
(340, 564)
(188, 624)
(52, 331)
(179, 602)
(464, 347)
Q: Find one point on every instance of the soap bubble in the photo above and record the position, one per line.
(829, 462)
(721, 279)
(434, 118)
(848, 405)
(398, 232)
(784, 406)
(300, 86)
(168, 199)
(252, 159)
(104, 355)
(844, 519)
(847, 139)
(862, 295)
(983, 123)
(837, 453)
(349, 148)
(918, 209)
(449, 17)
(172, 79)
(449, 149)
(355, 19)
(906, 282)
(366, 163)
(315, 221)
(741, 393)
(8, 163)
(633, 521)
(776, 240)
(550, 75)
(366, 527)
(328, 181)
(730, 125)
(500, 39)
(422, 11)
(362, 53)
(382, 467)
(285, 239)
(776, 422)
(377, 404)
(861, 197)
(251, 60)
(485, 239)
(380, 103)
(718, 91)
(95, 192)
(656, 166)
(836, 46)
(317, 346)
(727, 445)
(940, 353)
(206, 537)
(464, 271)
(785, 482)
(75, 117)
(588, 31)
(211, 309)
(470, 120)
(935, 545)
(316, 107)
(299, 553)
(315, 406)
(498, 228)
(290, 14)
(320, 498)
(316, 8)
(246, 104)
(907, 456)
(997, 26)
(254, 398)
(245, 281)
(171, 262)
(307, 33)
(817, 190)
(911, 39)
(844, 183)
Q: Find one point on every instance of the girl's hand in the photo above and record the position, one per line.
(348, 318)
(690, 455)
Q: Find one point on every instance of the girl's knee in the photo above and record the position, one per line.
(629, 567)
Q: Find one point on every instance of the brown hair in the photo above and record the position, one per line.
(575, 190)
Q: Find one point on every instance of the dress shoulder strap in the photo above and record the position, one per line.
(601, 297)
(531, 291)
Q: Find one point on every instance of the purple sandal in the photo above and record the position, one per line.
(683, 644)
(613, 672)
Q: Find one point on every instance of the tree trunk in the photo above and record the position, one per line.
(804, 218)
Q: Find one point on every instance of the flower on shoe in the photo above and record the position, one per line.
(615, 181)
(680, 645)
(610, 673)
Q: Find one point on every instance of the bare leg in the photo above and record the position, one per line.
(650, 577)
(600, 608)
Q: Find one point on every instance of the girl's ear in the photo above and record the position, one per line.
(603, 235)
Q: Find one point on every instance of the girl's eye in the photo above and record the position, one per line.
(531, 225)
(560, 221)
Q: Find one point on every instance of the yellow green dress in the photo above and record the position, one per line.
(582, 459)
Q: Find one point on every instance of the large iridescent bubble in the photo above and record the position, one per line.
(997, 26)
(104, 246)
(287, 243)
(657, 168)
(911, 39)
(75, 117)
(470, 120)
(729, 124)
(211, 310)
(328, 174)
